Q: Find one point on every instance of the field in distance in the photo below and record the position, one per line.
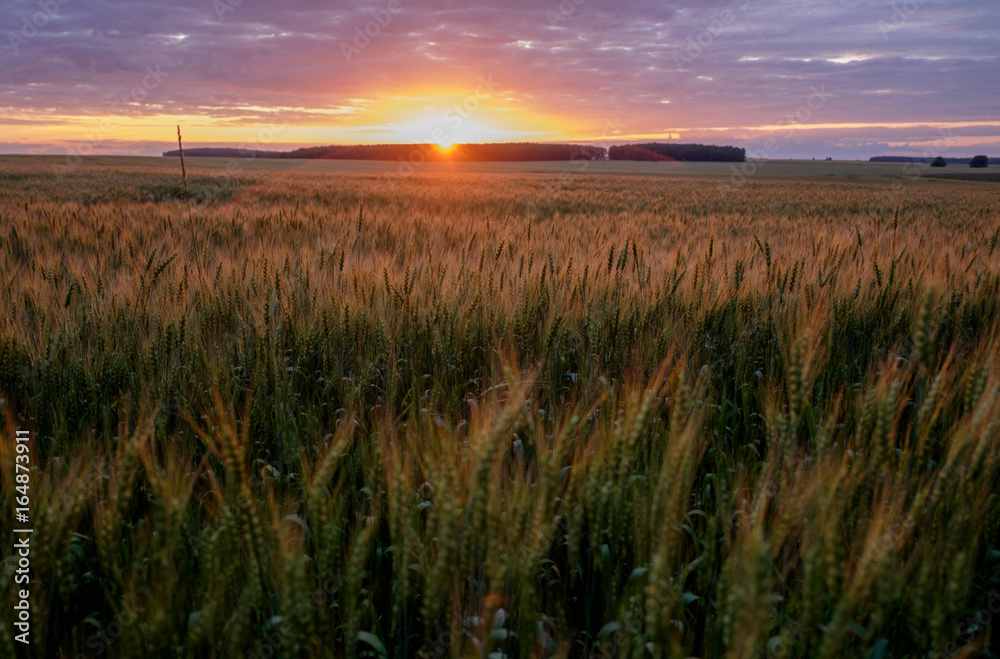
(318, 409)
(804, 168)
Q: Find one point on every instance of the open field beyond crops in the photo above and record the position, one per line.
(770, 168)
(324, 410)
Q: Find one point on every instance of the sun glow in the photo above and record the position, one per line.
(446, 130)
(440, 117)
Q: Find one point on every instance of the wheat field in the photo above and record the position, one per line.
(474, 413)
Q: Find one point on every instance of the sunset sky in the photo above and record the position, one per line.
(842, 78)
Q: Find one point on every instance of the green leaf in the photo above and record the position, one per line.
(638, 573)
(610, 628)
(373, 640)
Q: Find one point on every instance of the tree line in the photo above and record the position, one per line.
(681, 152)
(509, 152)
(977, 161)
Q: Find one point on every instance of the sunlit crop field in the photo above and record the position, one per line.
(568, 413)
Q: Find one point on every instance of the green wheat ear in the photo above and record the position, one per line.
(923, 339)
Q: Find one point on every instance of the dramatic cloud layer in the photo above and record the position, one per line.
(785, 78)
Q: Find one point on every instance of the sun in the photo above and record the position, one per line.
(445, 145)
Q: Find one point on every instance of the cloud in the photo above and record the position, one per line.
(721, 64)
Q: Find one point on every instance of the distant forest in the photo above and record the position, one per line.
(416, 152)
(212, 152)
(682, 152)
(509, 152)
(950, 161)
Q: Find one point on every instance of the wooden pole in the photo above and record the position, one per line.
(183, 169)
